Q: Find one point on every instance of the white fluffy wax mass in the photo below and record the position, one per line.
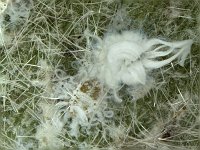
(126, 58)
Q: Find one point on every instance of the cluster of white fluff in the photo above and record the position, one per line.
(74, 109)
(127, 57)
(16, 11)
(50, 127)
(13, 13)
(3, 6)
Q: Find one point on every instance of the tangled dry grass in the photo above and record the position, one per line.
(45, 43)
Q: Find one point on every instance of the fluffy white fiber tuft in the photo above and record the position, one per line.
(127, 57)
